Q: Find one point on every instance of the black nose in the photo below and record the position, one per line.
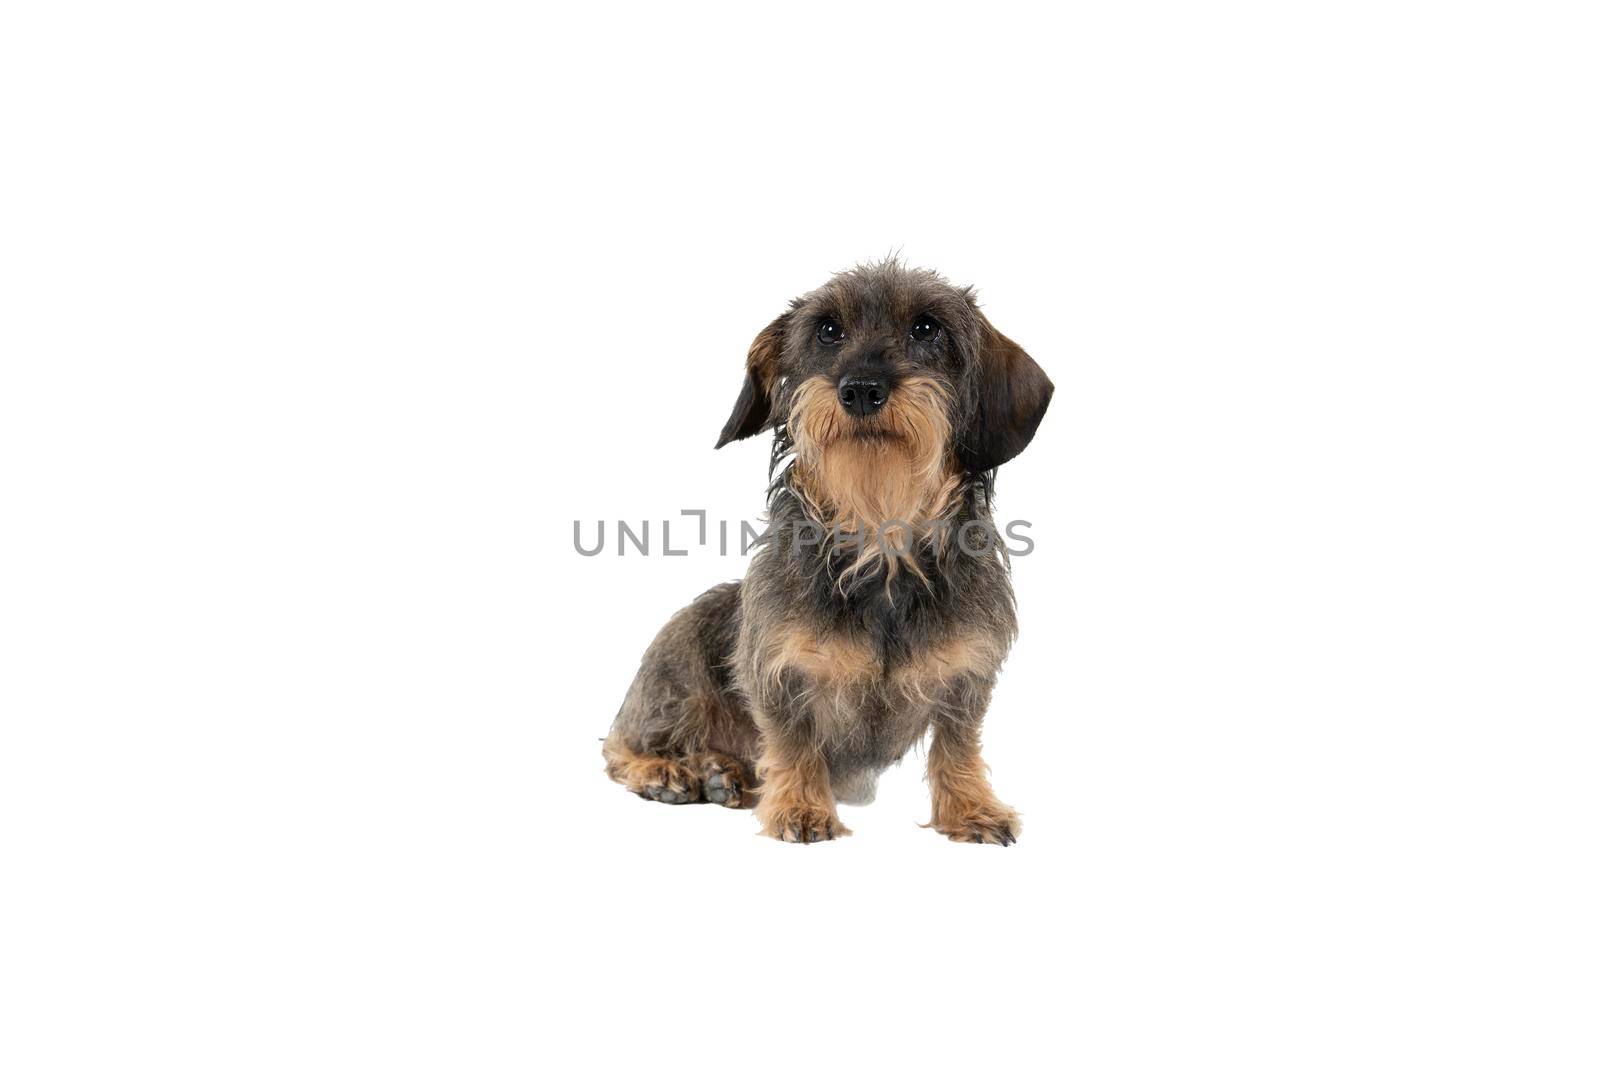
(863, 396)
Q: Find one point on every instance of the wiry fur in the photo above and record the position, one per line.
(795, 688)
(884, 489)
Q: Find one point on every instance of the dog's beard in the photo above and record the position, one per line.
(885, 481)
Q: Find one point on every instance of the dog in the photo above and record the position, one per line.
(878, 606)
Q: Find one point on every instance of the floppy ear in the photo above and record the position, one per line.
(1013, 392)
(753, 409)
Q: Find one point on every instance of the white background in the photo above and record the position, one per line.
(323, 322)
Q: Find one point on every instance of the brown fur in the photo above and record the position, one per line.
(830, 661)
(929, 675)
(650, 776)
(964, 805)
(796, 799)
(886, 488)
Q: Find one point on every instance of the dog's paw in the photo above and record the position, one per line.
(804, 825)
(724, 784)
(996, 825)
(669, 782)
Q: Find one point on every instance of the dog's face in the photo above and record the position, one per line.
(891, 370)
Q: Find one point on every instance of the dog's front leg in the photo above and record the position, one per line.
(796, 796)
(964, 806)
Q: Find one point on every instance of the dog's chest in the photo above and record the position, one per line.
(869, 702)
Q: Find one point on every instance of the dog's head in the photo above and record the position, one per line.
(890, 381)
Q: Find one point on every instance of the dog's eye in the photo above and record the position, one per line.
(924, 329)
(830, 332)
